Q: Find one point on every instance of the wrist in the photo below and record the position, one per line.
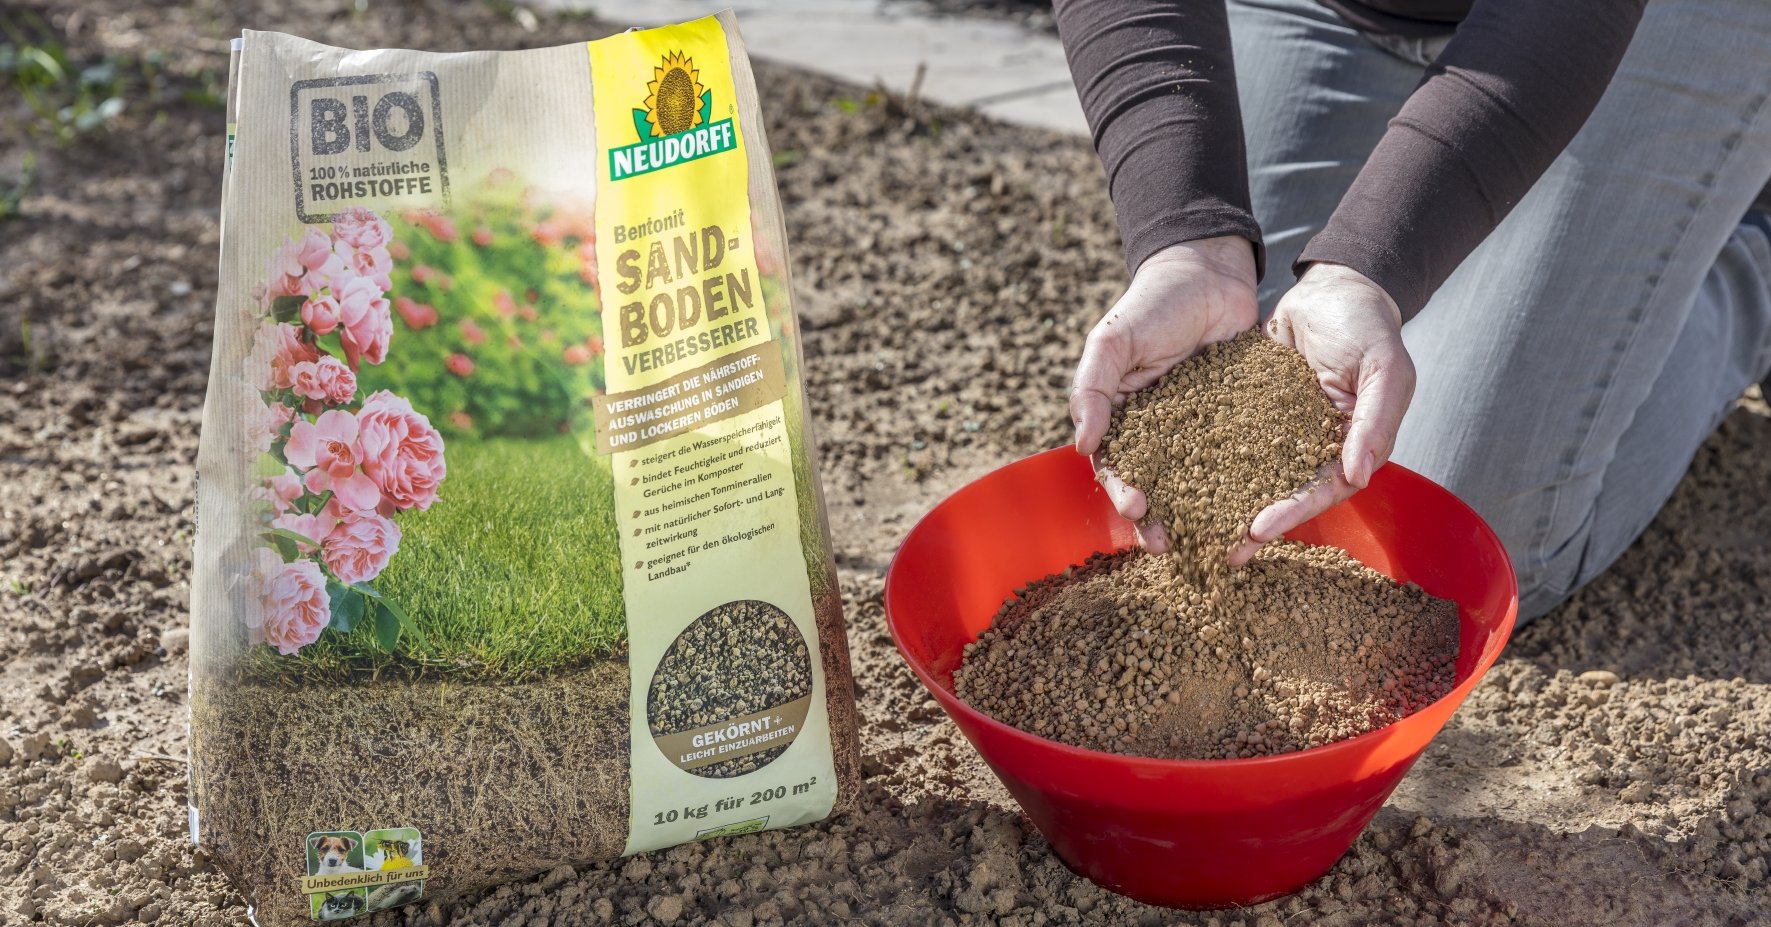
(1330, 275)
(1228, 256)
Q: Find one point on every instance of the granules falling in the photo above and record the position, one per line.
(1239, 425)
(1306, 646)
(1178, 656)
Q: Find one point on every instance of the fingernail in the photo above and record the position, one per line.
(1250, 535)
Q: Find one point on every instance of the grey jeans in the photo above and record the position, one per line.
(1571, 367)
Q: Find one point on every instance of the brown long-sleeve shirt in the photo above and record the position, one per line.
(1514, 84)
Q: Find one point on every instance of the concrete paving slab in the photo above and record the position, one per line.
(1008, 71)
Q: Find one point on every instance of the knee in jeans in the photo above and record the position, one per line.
(1550, 574)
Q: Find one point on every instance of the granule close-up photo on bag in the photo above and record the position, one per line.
(511, 550)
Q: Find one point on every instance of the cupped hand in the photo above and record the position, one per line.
(1350, 331)
(1181, 298)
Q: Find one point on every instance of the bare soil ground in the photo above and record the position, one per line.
(1614, 769)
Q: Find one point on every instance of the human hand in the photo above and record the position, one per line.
(1181, 298)
(1350, 331)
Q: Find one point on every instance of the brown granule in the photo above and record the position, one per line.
(1178, 656)
(739, 658)
(1239, 425)
(1306, 646)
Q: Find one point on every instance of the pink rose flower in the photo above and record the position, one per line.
(441, 227)
(314, 251)
(368, 326)
(502, 302)
(423, 274)
(329, 443)
(300, 268)
(402, 453)
(399, 251)
(326, 380)
(482, 236)
(267, 565)
(264, 423)
(262, 494)
(276, 349)
(577, 354)
(548, 233)
(362, 229)
(286, 488)
(459, 364)
(417, 315)
(283, 273)
(327, 450)
(320, 314)
(359, 548)
(473, 333)
(374, 263)
(295, 607)
(316, 527)
(356, 493)
(576, 218)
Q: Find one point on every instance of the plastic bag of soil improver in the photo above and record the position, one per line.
(512, 551)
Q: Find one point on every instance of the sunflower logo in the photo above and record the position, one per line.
(676, 124)
(674, 97)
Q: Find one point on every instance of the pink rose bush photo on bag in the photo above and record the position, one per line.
(510, 548)
(340, 465)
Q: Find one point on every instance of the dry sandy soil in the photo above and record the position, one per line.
(947, 269)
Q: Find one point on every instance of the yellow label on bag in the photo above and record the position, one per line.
(729, 725)
(679, 278)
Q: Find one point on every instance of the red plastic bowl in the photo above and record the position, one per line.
(1186, 833)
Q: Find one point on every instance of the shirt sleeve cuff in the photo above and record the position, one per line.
(1195, 225)
(1384, 266)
